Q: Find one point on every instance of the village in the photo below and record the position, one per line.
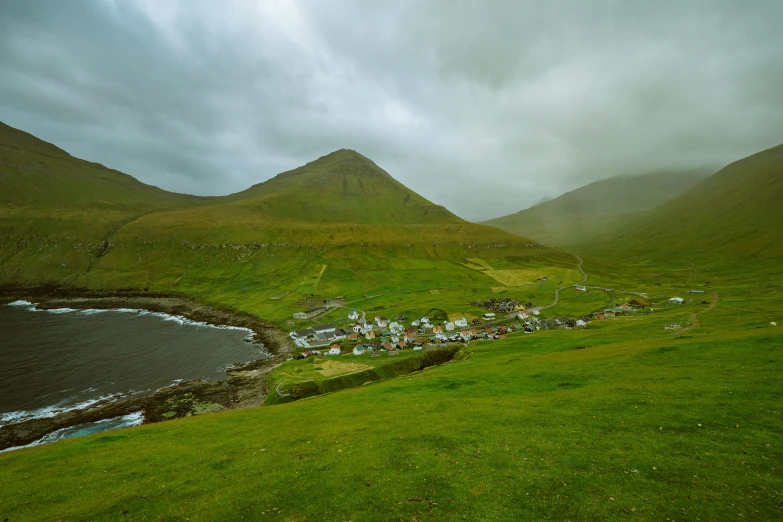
(358, 335)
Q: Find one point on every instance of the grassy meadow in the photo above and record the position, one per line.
(621, 420)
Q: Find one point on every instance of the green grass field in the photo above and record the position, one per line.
(623, 419)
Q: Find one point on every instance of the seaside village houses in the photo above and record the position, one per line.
(382, 333)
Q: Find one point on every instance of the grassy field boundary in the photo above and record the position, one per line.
(309, 388)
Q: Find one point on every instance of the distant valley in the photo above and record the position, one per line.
(592, 211)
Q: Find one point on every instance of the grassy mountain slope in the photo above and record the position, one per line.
(344, 187)
(735, 211)
(339, 225)
(58, 212)
(36, 173)
(593, 209)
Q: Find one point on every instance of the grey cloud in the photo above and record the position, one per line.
(485, 107)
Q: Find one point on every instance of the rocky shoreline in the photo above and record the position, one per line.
(244, 386)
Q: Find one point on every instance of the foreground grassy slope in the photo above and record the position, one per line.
(621, 420)
(590, 211)
(735, 211)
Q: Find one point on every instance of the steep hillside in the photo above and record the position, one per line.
(341, 187)
(36, 173)
(58, 212)
(735, 211)
(592, 210)
(339, 225)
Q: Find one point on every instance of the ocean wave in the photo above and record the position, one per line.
(179, 319)
(113, 423)
(21, 302)
(15, 417)
(93, 311)
(59, 310)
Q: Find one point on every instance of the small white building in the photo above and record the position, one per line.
(489, 316)
(536, 312)
(581, 289)
(334, 350)
(676, 300)
(522, 316)
(301, 343)
(382, 322)
(579, 322)
(415, 323)
(396, 328)
(465, 335)
(358, 350)
(395, 339)
(357, 328)
(354, 315)
(449, 326)
(461, 323)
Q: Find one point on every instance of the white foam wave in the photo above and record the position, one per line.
(93, 311)
(60, 310)
(15, 417)
(21, 302)
(124, 421)
(179, 319)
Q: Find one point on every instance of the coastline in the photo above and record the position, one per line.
(243, 387)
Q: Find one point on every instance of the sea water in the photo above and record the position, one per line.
(57, 360)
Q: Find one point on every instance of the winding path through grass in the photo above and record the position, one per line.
(695, 315)
(557, 291)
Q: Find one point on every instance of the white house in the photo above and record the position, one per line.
(579, 322)
(358, 350)
(415, 323)
(581, 289)
(536, 312)
(357, 328)
(417, 348)
(449, 326)
(334, 350)
(465, 335)
(301, 343)
(522, 316)
(354, 315)
(396, 328)
(440, 337)
(395, 339)
(425, 319)
(676, 300)
(489, 316)
(461, 323)
(382, 322)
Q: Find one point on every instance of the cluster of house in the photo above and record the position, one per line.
(391, 336)
(617, 311)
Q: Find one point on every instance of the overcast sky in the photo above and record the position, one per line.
(482, 106)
